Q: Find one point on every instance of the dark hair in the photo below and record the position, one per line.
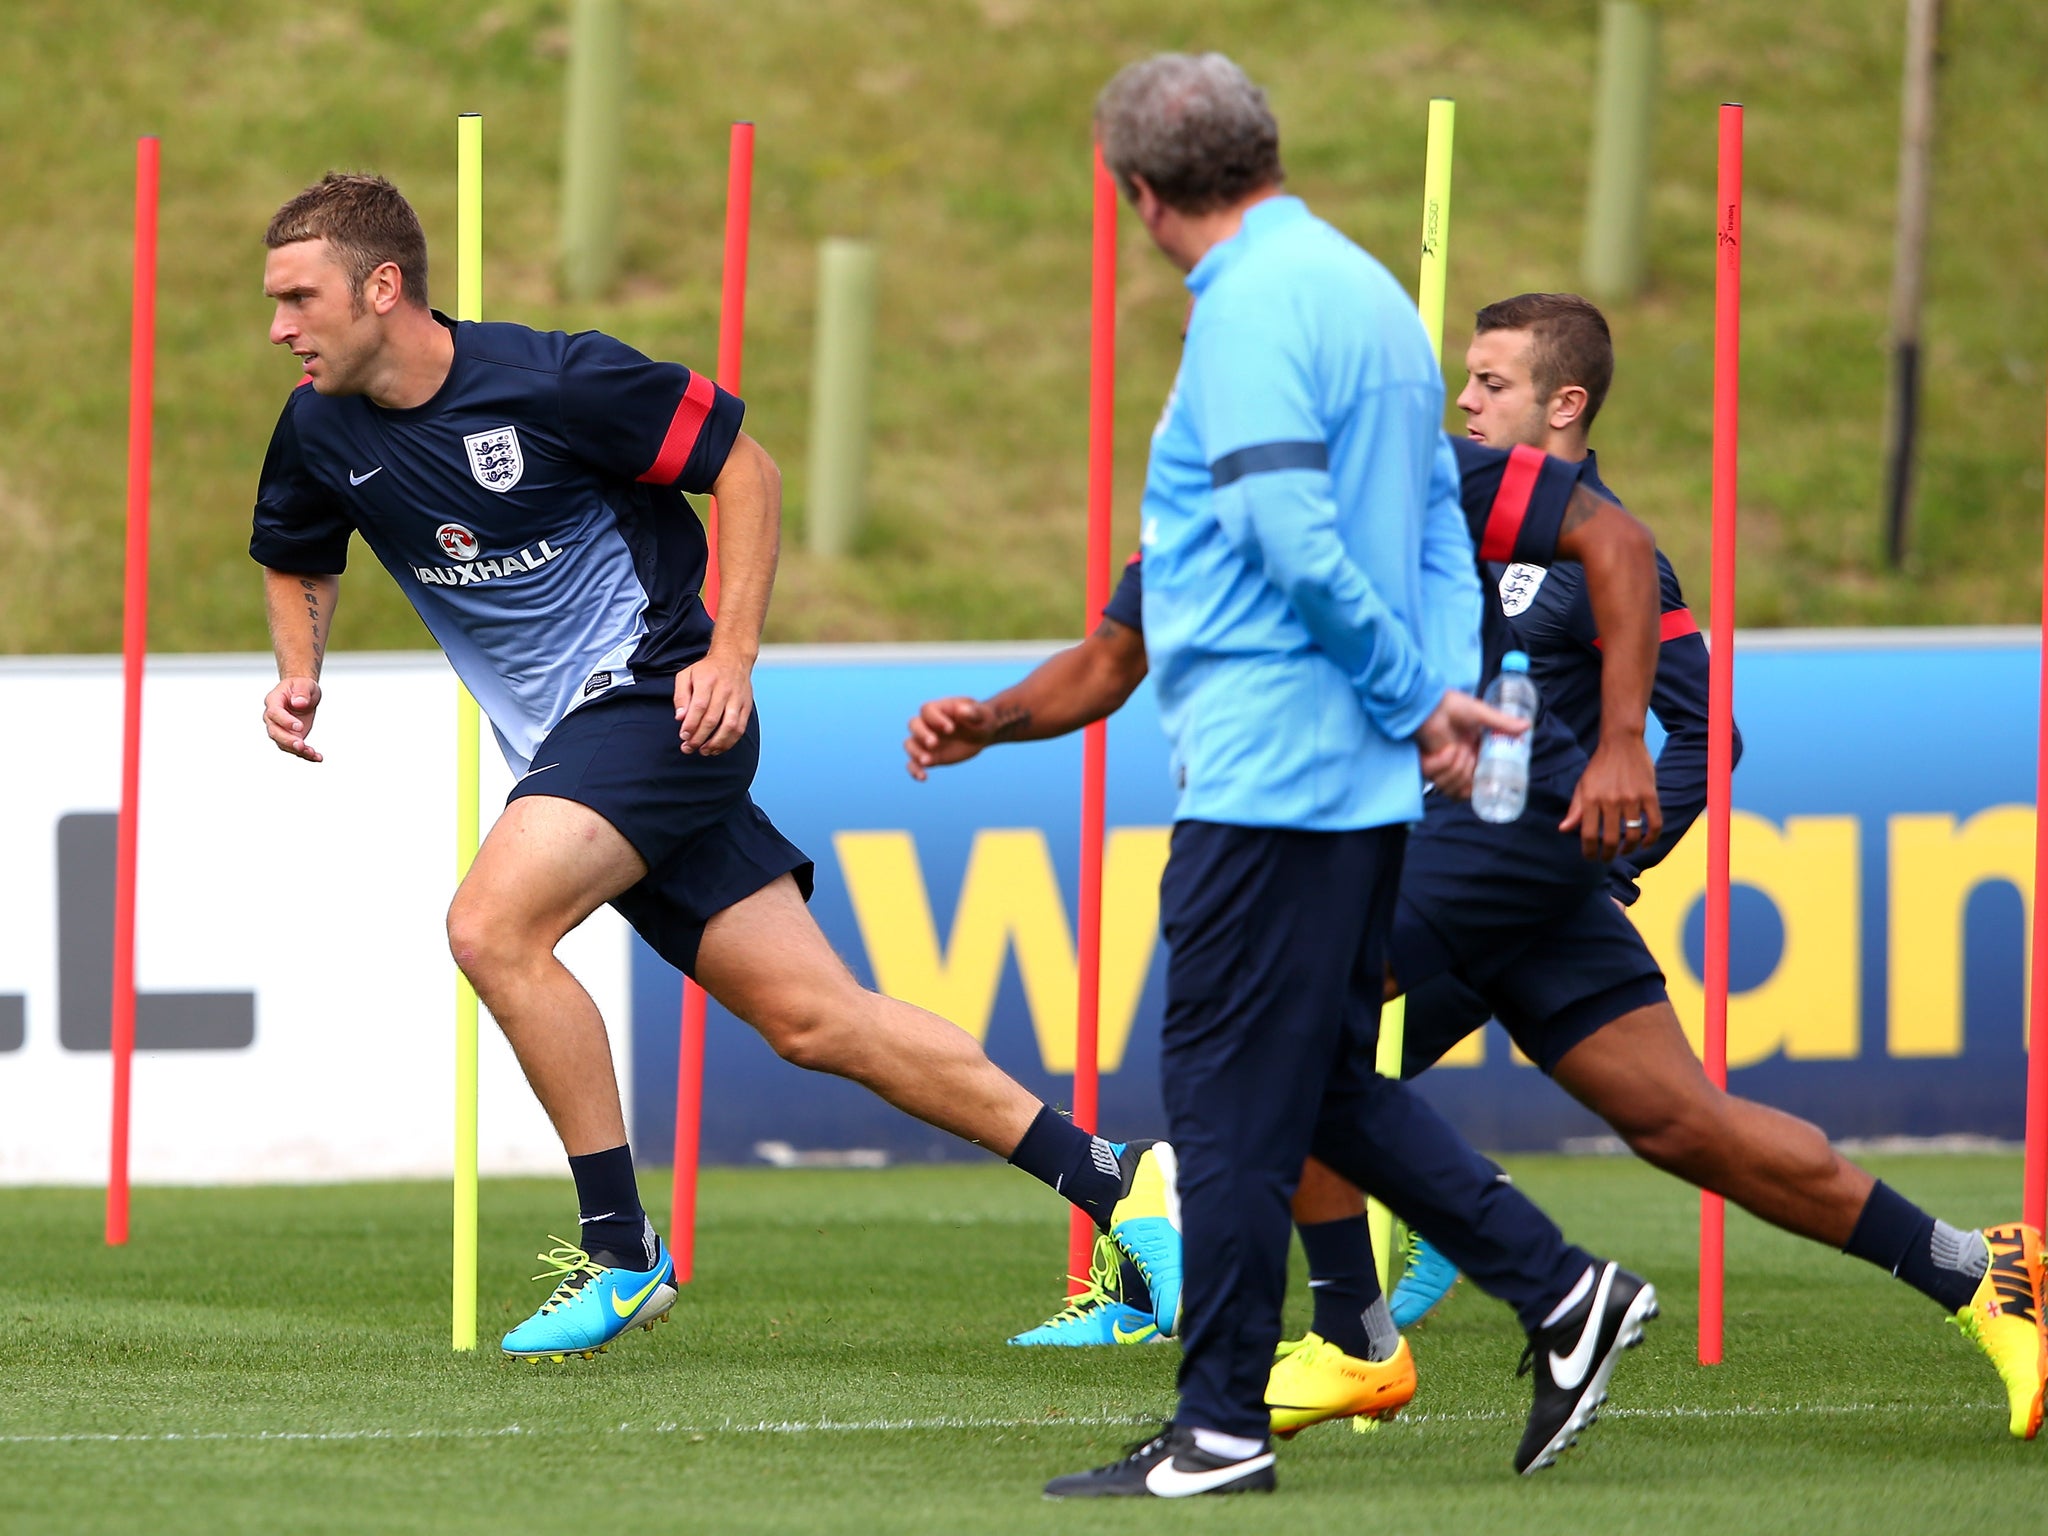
(1569, 343)
(367, 221)
(1195, 127)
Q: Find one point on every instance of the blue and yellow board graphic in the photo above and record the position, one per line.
(1882, 858)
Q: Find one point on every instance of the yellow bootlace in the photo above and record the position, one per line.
(1098, 1289)
(571, 1266)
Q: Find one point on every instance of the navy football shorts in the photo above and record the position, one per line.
(1575, 977)
(1512, 922)
(1472, 890)
(706, 844)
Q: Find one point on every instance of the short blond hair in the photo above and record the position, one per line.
(367, 222)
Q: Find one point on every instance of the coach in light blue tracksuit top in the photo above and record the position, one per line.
(1306, 557)
(1311, 606)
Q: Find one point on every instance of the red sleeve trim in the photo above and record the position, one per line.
(1511, 503)
(1676, 624)
(683, 429)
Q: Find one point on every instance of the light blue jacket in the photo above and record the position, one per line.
(1310, 587)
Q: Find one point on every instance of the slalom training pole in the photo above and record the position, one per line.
(1436, 220)
(1721, 683)
(1429, 300)
(1095, 739)
(469, 305)
(732, 331)
(2034, 1200)
(134, 643)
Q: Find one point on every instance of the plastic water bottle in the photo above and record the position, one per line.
(1500, 787)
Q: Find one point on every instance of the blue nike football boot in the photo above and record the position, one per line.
(1145, 1224)
(592, 1304)
(1425, 1281)
(1098, 1312)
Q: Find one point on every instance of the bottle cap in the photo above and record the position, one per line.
(1515, 661)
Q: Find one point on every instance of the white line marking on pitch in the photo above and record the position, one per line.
(875, 1426)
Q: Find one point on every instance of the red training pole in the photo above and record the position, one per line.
(2034, 1201)
(1721, 683)
(732, 303)
(134, 642)
(1095, 740)
(732, 330)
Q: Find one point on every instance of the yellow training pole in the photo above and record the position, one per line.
(1436, 220)
(1429, 298)
(469, 305)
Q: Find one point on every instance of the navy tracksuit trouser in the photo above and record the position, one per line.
(1277, 944)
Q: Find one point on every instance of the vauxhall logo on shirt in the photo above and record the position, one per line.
(468, 571)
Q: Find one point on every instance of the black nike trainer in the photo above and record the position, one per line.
(1169, 1466)
(1572, 1359)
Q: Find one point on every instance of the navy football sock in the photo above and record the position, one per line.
(1057, 1152)
(1343, 1281)
(615, 1228)
(1939, 1262)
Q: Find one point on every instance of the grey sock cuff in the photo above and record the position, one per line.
(1380, 1331)
(1965, 1252)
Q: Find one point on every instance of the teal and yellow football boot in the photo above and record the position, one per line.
(1426, 1279)
(592, 1304)
(1145, 1224)
(1097, 1313)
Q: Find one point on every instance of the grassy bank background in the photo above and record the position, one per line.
(955, 134)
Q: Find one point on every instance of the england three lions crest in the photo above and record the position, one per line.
(495, 459)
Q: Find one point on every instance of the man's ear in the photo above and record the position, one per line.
(1567, 406)
(1146, 201)
(385, 288)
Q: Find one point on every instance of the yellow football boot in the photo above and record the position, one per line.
(2005, 1319)
(1316, 1381)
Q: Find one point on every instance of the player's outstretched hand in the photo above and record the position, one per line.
(946, 731)
(1449, 740)
(1614, 809)
(288, 715)
(714, 702)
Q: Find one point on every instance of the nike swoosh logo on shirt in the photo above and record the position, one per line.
(626, 1306)
(1570, 1371)
(356, 479)
(1169, 1482)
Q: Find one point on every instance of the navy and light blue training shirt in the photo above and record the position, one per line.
(1552, 619)
(533, 511)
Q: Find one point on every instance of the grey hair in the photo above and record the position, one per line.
(1194, 126)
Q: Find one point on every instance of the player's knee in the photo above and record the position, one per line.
(807, 1028)
(482, 940)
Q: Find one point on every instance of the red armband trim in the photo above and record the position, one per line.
(683, 429)
(1675, 624)
(1511, 502)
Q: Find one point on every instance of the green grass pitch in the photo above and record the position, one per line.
(277, 1360)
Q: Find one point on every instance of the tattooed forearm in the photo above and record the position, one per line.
(1009, 720)
(311, 589)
